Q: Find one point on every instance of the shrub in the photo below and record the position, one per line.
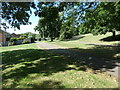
(13, 39)
(11, 43)
(22, 38)
(25, 41)
(38, 37)
(62, 36)
(18, 38)
(7, 39)
(0, 45)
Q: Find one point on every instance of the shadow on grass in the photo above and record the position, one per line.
(97, 58)
(110, 38)
(117, 45)
(48, 84)
(18, 64)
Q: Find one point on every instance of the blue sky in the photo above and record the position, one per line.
(26, 28)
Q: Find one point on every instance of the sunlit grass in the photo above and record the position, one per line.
(67, 79)
(83, 41)
(91, 44)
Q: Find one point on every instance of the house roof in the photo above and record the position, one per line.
(15, 35)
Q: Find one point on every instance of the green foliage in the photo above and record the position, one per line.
(20, 38)
(30, 35)
(64, 19)
(24, 35)
(13, 39)
(0, 45)
(48, 23)
(61, 20)
(27, 35)
(104, 18)
(11, 43)
(67, 30)
(38, 37)
(83, 29)
(66, 35)
(17, 13)
(25, 41)
(62, 36)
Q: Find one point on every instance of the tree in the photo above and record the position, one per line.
(16, 13)
(41, 27)
(48, 25)
(38, 37)
(104, 18)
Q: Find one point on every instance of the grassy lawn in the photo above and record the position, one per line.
(91, 44)
(85, 41)
(27, 66)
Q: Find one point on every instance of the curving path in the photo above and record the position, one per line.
(97, 63)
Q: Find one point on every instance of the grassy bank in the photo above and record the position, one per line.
(87, 41)
(100, 45)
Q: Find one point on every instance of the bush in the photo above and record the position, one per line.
(25, 41)
(22, 38)
(13, 39)
(11, 43)
(69, 35)
(38, 37)
(7, 39)
(62, 36)
(18, 38)
(0, 45)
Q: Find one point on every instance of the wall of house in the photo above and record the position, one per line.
(2, 37)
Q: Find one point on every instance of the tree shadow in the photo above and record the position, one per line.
(117, 45)
(110, 38)
(48, 84)
(18, 64)
(97, 58)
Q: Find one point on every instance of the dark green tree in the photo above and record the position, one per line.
(49, 23)
(16, 13)
(104, 18)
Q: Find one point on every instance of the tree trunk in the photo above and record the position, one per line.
(113, 34)
(51, 39)
(43, 34)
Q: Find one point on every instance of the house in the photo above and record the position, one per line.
(3, 36)
(15, 35)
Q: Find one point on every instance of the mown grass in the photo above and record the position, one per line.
(85, 41)
(27, 66)
(93, 45)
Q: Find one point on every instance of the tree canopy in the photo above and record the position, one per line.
(104, 18)
(16, 13)
(65, 19)
(60, 19)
